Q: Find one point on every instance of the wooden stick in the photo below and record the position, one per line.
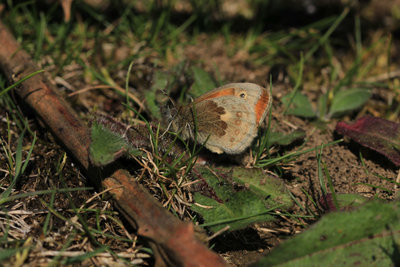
(172, 240)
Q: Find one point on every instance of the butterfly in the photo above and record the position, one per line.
(225, 119)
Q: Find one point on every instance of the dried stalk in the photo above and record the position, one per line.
(173, 241)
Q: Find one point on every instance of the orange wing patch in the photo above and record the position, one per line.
(262, 104)
(219, 93)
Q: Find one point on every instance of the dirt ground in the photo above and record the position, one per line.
(348, 172)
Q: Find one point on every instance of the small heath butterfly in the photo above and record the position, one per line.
(226, 118)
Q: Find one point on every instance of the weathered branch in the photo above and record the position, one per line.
(174, 241)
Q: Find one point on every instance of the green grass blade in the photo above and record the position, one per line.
(328, 33)
(20, 81)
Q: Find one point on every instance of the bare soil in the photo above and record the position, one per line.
(349, 172)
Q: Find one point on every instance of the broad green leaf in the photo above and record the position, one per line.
(282, 139)
(299, 105)
(367, 236)
(344, 201)
(106, 145)
(203, 82)
(161, 81)
(322, 105)
(238, 197)
(347, 201)
(348, 100)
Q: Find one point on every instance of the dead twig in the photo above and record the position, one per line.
(173, 241)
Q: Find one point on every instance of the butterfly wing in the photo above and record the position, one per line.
(257, 98)
(226, 124)
(226, 118)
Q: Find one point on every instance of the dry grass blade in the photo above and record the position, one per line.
(173, 240)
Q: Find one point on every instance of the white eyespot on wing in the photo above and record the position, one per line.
(244, 107)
